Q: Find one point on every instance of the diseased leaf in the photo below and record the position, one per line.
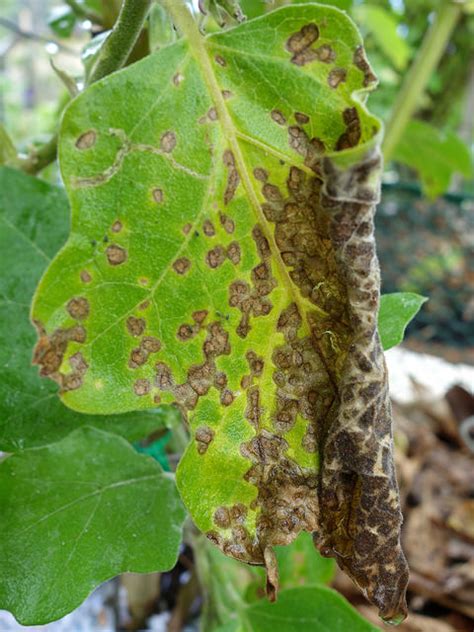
(435, 155)
(33, 226)
(221, 256)
(312, 608)
(396, 312)
(91, 508)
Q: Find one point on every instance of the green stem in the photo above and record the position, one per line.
(40, 157)
(118, 46)
(420, 72)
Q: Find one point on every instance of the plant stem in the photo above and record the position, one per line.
(417, 78)
(118, 46)
(40, 157)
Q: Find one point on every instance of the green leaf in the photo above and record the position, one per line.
(396, 312)
(62, 21)
(8, 154)
(310, 608)
(221, 256)
(299, 564)
(77, 513)
(33, 226)
(434, 154)
(383, 27)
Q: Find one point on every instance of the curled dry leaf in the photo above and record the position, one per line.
(254, 274)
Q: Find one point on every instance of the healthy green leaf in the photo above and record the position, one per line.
(435, 155)
(8, 154)
(77, 513)
(396, 312)
(221, 256)
(62, 21)
(384, 28)
(33, 226)
(315, 608)
(300, 565)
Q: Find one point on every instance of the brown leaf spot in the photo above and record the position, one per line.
(86, 140)
(227, 397)
(200, 315)
(233, 253)
(178, 78)
(336, 77)
(222, 517)
(298, 139)
(151, 344)
(116, 255)
(85, 276)
(216, 257)
(117, 226)
(181, 265)
(227, 94)
(78, 308)
(299, 44)
(227, 223)
(278, 117)
(208, 228)
(168, 142)
(260, 174)
(157, 195)
(187, 228)
(220, 60)
(144, 305)
(185, 332)
(212, 114)
(163, 380)
(136, 326)
(325, 54)
(204, 435)
(138, 357)
(362, 64)
(301, 118)
(142, 387)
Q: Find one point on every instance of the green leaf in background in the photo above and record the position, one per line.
(221, 256)
(77, 513)
(312, 608)
(434, 154)
(33, 226)
(382, 25)
(396, 312)
(8, 153)
(299, 564)
(62, 21)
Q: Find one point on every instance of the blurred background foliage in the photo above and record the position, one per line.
(47, 48)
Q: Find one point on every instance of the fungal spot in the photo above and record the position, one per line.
(336, 77)
(212, 114)
(325, 54)
(116, 255)
(299, 44)
(151, 344)
(278, 117)
(157, 399)
(138, 357)
(142, 387)
(253, 410)
(163, 378)
(216, 257)
(200, 316)
(86, 140)
(233, 253)
(260, 174)
(178, 79)
(220, 60)
(143, 281)
(298, 139)
(181, 265)
(227, 223)
(78, 308)
(255, 362)
(185, 332)
(301, 118)
(204, 435)
(157, 195)
(362, 64)
(351, 137)
(220, 380)
(208, 228)
(49, 353)
(222, 518)
(227, 94)
(144, 305)
(117, 226)
(168, 142)
(233, 177)
(136, 326)
(187, 228)
(85, 276)
(227, 397)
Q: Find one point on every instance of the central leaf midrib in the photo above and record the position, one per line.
(199, 51)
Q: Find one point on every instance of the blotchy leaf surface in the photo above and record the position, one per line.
(33, 226)
(396, 312)
(91, 508)
(222, 256)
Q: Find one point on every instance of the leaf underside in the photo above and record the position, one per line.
(221, 256)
